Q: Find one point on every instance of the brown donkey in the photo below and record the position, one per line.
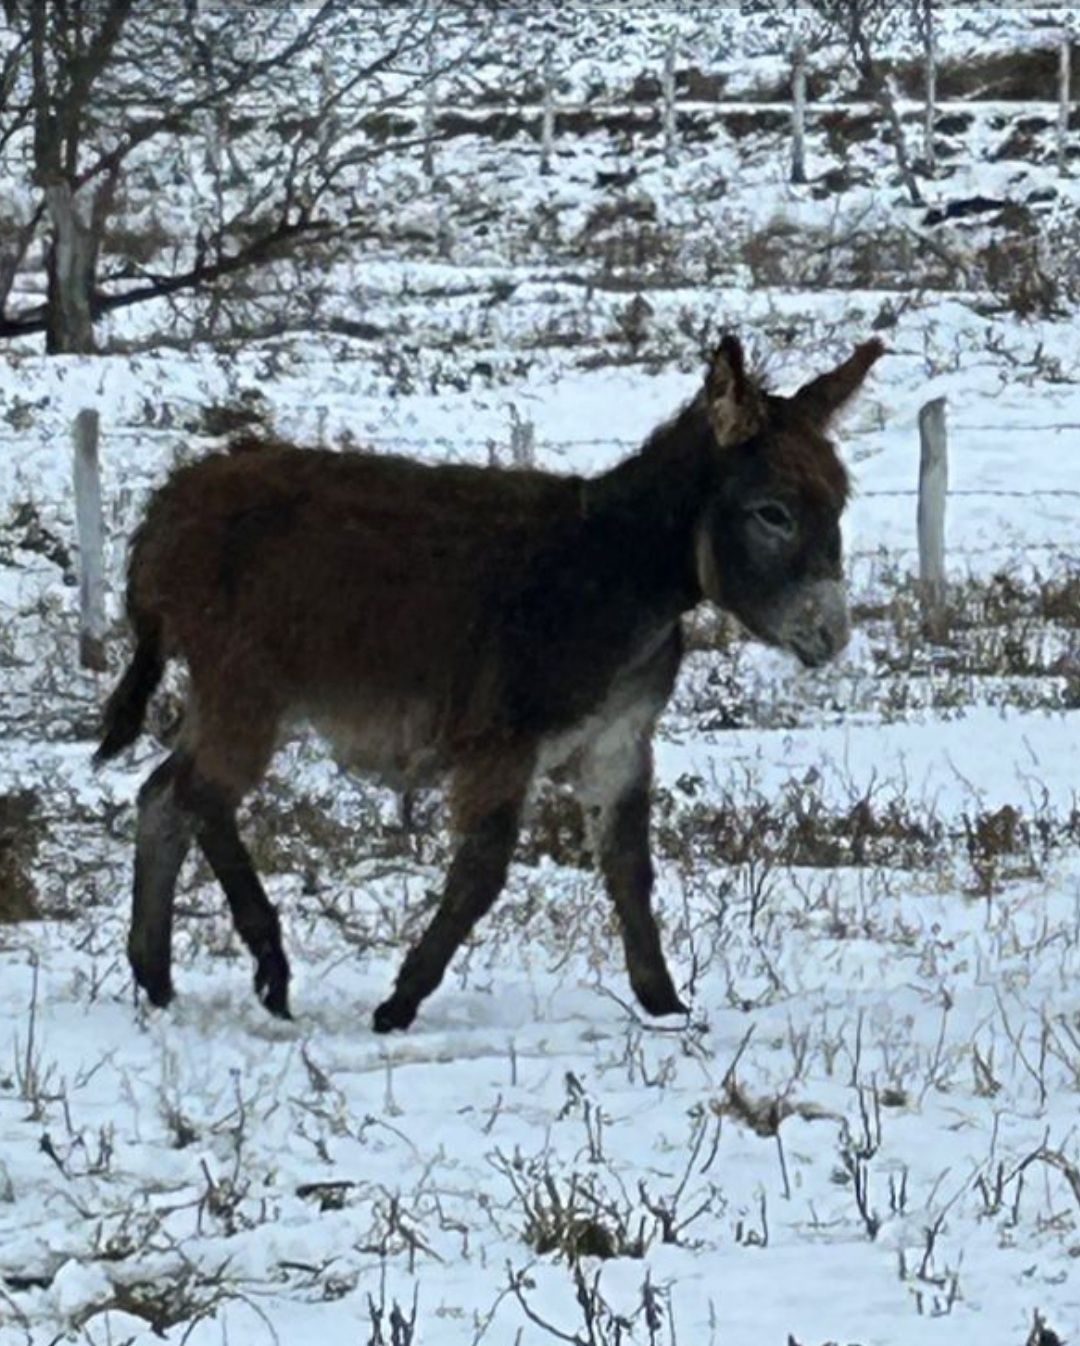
(472, 624)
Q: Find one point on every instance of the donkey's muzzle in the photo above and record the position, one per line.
(816, 627)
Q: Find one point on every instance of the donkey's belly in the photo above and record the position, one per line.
(394, 740)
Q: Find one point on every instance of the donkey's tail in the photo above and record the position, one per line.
(125, 709)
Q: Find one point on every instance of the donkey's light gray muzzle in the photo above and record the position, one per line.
(816, 626)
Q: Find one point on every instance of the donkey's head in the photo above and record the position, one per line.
(768, 545)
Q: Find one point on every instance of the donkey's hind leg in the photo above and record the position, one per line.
(232, 739)
(486, 800)
(163, 838)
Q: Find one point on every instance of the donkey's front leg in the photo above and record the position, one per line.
(487, 828)
(623, 852)
(214, 820)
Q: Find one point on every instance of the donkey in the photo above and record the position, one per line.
(473, 626)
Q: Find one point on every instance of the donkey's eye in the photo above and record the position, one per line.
(775, 517)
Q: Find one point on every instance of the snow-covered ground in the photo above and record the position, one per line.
(869, 876)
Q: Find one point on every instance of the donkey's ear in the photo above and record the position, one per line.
(821, 398)
(732, 401)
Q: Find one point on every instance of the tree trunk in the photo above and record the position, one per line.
(70, 263)
(885, 97)
(881, 90)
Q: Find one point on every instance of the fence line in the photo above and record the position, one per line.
(932, 494)
(467, 104)
(1021, 547)
(797, 106)
(814, 107)
(132, 431)
(520, 431)
(991, 491)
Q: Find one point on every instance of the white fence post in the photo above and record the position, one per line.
(668, 86)
(1064, 61)
(798, 112)
(91, 530)
(522, 440)
(933, 490)
(547, 124)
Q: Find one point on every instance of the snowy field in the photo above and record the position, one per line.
(869, 876)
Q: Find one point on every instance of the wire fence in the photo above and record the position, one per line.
(566, 447)
(99, 545)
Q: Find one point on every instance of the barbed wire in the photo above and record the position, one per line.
(992, 491)
(180, 435)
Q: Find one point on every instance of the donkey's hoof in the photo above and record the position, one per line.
(159, 993)
(393, 1013)
(157, 985)
(272, 984)
(659, 998)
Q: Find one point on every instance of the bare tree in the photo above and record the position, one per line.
(922, 12)
(862, 26)
(114, 101)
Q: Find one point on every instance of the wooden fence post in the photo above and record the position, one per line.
(547, 124)
(444, 233)
(933, 490)
(667, 84)
(798, 113)
(430, 112)
(1064, 59)
(91, 530)
(522, 440)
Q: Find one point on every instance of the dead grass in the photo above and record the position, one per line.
(571, 1217)
(1001, 626)
(794, 829)
(291, 832)
(783, 253)
(25, 530)
(1016, 75)
(20, 835)
(1002, 640)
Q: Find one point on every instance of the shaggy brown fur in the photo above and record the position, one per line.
(467, 624)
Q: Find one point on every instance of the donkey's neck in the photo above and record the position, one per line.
(652, 502)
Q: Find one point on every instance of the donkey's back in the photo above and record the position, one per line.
(337, 566)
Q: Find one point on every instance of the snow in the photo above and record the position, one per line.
(866, 1131)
